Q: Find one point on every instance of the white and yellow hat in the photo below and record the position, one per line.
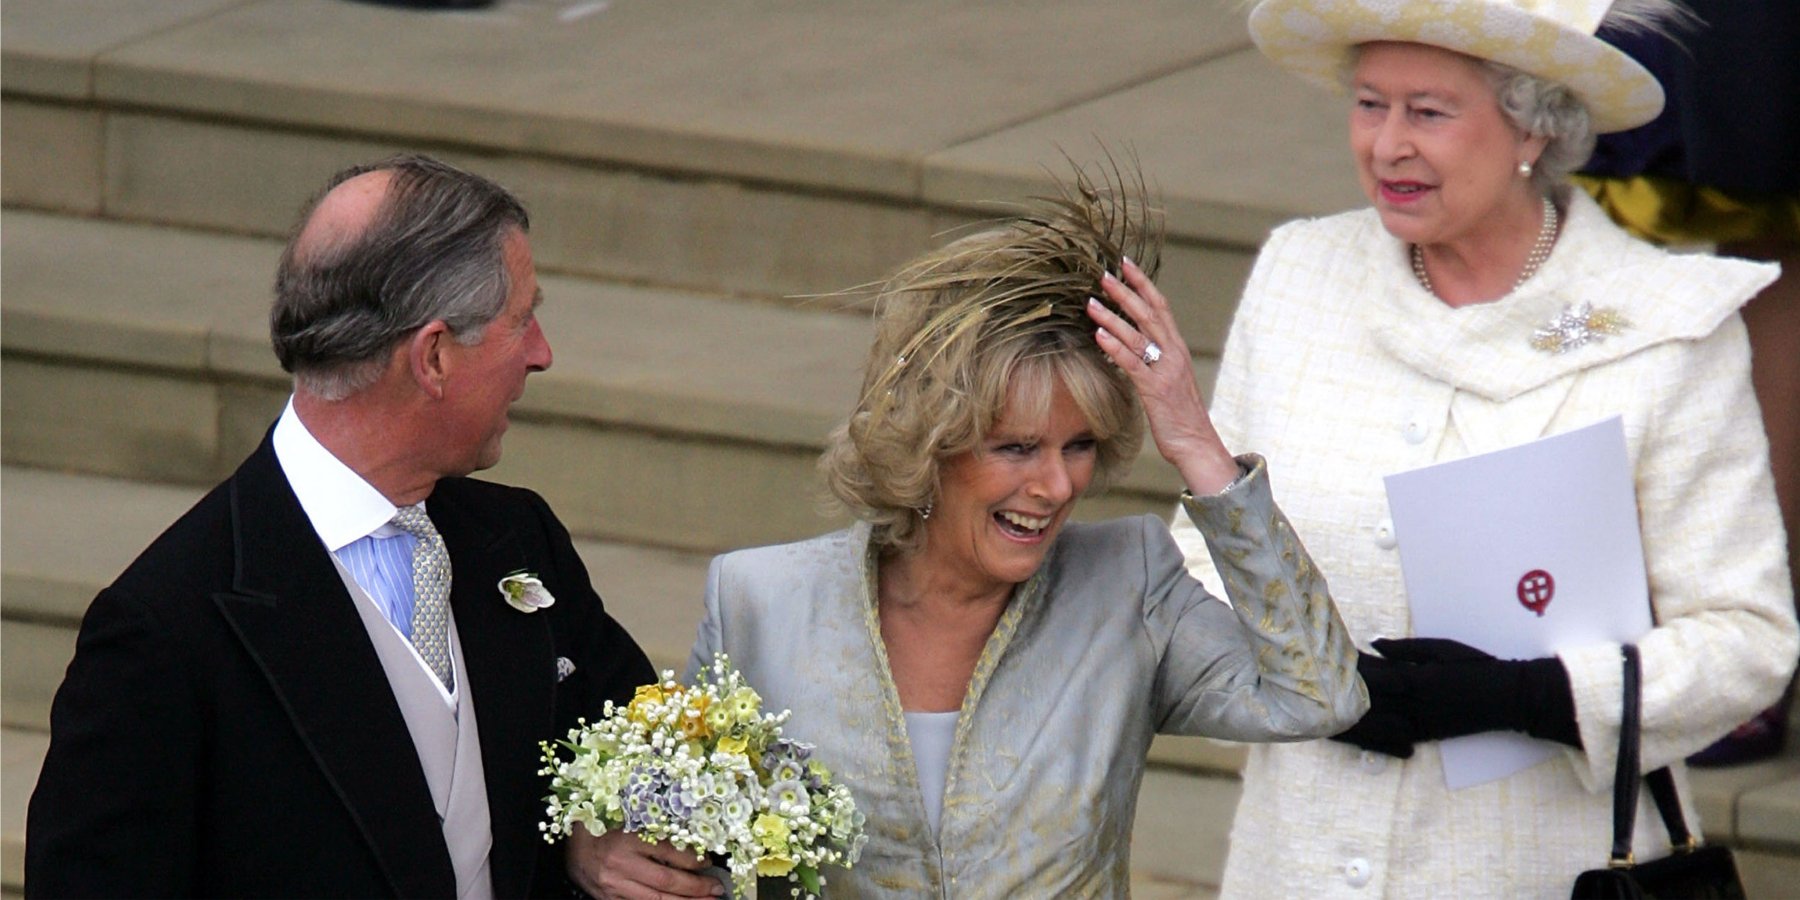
(1552, 39)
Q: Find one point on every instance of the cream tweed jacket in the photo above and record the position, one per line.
(1341, 369)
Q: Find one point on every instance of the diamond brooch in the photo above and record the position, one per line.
(1578, 325)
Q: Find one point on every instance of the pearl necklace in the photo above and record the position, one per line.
(1540, 251)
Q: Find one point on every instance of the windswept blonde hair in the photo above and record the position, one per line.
(994, 317)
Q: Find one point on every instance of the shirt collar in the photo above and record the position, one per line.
(342, 507)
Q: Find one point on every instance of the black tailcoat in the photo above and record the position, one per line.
(226, 729)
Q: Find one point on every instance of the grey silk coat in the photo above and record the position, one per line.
(1109, 643)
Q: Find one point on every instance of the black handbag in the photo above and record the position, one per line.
(1692, 870)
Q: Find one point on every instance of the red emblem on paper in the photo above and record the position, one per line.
(1536, 587)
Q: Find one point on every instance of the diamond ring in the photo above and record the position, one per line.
(1151, 354)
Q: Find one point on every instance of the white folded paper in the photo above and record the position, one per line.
(1522, 552)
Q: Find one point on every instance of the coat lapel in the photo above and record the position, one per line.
(295, 618)
(511, 677)
(1486, 348)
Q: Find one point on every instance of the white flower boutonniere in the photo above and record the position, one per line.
(525, 593)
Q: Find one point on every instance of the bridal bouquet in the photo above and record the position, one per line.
(704, 768)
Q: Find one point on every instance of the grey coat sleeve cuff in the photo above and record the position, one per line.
(1281, 598)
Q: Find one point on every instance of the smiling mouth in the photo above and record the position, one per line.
(1022, 526)
(1404, 189)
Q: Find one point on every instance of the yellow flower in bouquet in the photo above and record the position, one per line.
(718, 718)
(745, 705)
(693, 717)
(647, 696)
(774, 866)
(770, 831)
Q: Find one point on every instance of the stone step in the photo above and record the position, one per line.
(21, 756)
(669, 417)
(771, 165)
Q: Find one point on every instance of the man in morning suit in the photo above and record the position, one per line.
(312, 684)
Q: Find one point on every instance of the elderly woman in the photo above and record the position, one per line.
(1478, 305)
(985, 674)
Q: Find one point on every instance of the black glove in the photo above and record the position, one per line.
(1428, 689)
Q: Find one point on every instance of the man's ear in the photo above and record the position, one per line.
(428, 358)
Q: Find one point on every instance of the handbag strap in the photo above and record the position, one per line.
(1668, 802)
(1625, 777)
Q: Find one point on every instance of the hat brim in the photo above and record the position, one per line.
(1312, 39)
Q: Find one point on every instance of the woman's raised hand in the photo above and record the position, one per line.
(1156, 359)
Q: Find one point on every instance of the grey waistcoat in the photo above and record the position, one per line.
(448, 744)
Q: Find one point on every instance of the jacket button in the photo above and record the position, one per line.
(1384, 535)
(1372, 762)
(1414, 431)
(1357, 871)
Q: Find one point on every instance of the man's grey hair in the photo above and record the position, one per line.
(434, 250)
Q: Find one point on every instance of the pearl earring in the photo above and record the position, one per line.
(925, 513)
(1525, 168)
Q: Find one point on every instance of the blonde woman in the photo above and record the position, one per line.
(985, 674)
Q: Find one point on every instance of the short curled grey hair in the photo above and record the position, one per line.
(433, 251)
(1549, 110)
